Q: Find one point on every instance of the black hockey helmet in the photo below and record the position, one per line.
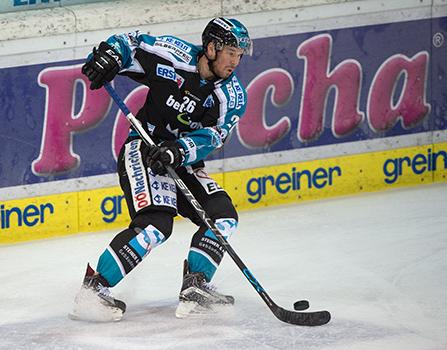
(227, 31)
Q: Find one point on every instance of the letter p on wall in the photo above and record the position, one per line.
(60, 121)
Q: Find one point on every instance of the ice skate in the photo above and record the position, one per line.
(94, 301)
(197, 296)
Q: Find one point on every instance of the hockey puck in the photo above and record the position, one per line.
(301, 305)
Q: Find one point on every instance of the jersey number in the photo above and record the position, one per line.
(187, 105)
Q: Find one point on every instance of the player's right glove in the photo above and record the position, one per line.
(168, 153)
(103, 65)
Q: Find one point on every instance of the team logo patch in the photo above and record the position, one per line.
(232, 95)
(208, 184)
(175, 50)
(166, 72)
(180, 80)
(239, 93)
(175, 42)
(209, 102)
(163, 190)
(137, 175)
(191, 149)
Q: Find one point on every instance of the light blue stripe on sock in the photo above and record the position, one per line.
(138, 248)
(109, 269)
(200, 263)
(210, 234)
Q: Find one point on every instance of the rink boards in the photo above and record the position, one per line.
(342, 99)
(101, 209)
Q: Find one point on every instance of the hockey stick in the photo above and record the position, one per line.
(316, 318)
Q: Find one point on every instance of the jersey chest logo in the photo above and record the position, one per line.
(187, 105)
(166, 72)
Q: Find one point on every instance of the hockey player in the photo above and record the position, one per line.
(194, 102)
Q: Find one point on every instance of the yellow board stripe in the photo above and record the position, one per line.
(40, 217)
(105, 208)
(331, 177)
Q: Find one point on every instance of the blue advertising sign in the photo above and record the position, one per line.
(304, 90)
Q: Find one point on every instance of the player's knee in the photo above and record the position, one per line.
(155, 223)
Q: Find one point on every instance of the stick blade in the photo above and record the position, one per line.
(309, 319)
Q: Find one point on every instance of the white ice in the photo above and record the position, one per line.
(377, 261)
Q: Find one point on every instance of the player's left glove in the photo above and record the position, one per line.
(102, 66)
(169, 153)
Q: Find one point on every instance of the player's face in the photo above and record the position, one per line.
(227, 60)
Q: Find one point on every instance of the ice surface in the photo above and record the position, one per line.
(377, 261)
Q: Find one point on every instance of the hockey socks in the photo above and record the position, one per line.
(206, 252)
(126, 251)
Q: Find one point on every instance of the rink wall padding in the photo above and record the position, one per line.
(344, 97)
(324, 178)
(105, 208)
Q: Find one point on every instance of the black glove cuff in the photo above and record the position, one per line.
(175, 151)
(104, 47)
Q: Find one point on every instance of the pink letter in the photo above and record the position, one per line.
(134, 101)
(412, 105)
(318, 80)
(252, 129)
(56, 153)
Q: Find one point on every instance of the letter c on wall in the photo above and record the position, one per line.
(253, 130)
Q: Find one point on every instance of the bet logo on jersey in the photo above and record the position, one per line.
(187, 105)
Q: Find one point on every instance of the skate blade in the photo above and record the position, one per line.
(94, 316)
(89, 307)
(192, 309)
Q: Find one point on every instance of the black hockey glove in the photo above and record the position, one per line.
(168, 153)
(103, 65)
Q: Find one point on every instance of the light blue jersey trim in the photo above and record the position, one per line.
(180, 53)
(198, 144)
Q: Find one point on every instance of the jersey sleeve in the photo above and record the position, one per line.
(126, 45)
(198, 144)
